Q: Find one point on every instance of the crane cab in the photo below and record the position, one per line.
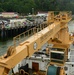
(59, 54)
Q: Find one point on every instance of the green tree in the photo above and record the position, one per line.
(25, 6)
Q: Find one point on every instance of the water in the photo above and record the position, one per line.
(71, 26)
(4, 45)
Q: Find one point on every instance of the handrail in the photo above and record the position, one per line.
(18, 39)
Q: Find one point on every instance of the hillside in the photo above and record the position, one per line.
(33, 6)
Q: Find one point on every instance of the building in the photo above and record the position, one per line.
(8, 14)
(44, 14)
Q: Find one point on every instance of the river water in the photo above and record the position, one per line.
(5, 44)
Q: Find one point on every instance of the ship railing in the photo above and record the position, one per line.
(60, 12)
(65, 16)
(62, 16)
(25, 35)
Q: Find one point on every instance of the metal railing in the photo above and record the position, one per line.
(63, 16)
(23, 36)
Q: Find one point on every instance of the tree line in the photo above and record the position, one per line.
(33, 6)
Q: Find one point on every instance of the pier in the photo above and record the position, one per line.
(12, 27)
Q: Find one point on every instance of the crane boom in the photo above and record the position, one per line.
(34, 43)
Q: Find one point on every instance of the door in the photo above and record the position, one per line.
(35, 66)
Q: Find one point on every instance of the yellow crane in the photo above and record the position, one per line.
(56, 33)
